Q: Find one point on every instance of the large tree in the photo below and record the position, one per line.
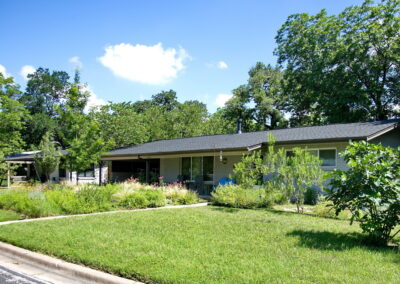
(12, 115)
(48, 159)
(342, 68)
(260, 102)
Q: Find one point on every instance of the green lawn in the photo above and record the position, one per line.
(9, 216)
(212, 245)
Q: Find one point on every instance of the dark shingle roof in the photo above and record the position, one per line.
(26, 156)
(332, 132)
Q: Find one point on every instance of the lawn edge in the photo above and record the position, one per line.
(64, 267)
(102, 213)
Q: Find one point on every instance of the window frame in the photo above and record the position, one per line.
(191, 178)
(318, 149)
(92, 169)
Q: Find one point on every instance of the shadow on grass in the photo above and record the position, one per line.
(323, 240)
(225, 209)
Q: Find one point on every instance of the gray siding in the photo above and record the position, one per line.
(170, 169)
(391, 139)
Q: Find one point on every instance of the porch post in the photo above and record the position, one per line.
(8, 175)
(100, 171)
(147, 171)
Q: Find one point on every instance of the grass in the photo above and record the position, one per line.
(9, 216)
(212, 245)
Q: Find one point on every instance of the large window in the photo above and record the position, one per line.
(328, 156)
(194, 167)
(87, 173)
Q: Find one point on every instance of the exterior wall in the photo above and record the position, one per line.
(339, 146)
(170, 168)
(95, 179)
(222, 170)
(391, 139)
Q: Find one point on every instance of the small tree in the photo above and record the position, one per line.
(249, 171)
(370, 189)
(299, 172)
(48, 159)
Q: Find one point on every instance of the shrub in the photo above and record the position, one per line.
(326, 209)
(155, 198)
(311, 196)
(93, 198)
(240, 197)
(134, 200)
(370, 189)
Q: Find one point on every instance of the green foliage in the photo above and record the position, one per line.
(249, 171)
(143, 199)
(342, 64)
(82, 135)
(370, 189)
(238, 196)
(300, 172)
(259, 103)
(48, 159)
(311, 196)
(326, 209)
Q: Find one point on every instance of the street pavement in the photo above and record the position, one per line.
(8, 276)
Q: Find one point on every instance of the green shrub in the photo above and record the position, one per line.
(189, 197)
(134, 200)
(240, 197)
(370, 189)
(93, 198)
(155, 198)
(311, 196)
(326, 209)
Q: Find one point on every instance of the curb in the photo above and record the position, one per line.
(103, 213)
(64, 267)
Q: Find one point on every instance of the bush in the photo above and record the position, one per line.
(238, 196)
(311, 196)
(370, 189)
(143, 199)
(326, 209)
(93, 198)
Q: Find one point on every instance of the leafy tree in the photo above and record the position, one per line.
(370, 189)
(166, 99)
(249, 171)
(217, 124)
(48, 159)
(45, 90)
(259, 103)
(82, 134)
(12, 114)
(342, 64)
(300, 172)
(121, 124)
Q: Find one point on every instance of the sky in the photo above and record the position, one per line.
(130, 50)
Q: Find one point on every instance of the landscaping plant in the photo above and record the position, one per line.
(370, 189)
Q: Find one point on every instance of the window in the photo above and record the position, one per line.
(328, 156)
(87, 173)
(193, 167)
(62, 172)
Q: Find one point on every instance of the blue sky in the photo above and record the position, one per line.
(130, 50)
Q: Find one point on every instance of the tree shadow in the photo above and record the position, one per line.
(323, 240)
(225, 209)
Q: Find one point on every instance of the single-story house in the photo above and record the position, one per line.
(202, 161)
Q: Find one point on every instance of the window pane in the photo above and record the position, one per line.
(196, 167)
(89, 173)
(328, 157)
(208, 168)
(186, 168)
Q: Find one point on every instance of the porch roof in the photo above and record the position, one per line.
(310, 134)
(26, 156)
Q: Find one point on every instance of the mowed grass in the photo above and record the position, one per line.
(9, 215)
(212, 245)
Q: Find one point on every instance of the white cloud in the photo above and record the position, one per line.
(76, 61)
(144, 64)
(221, 99)
(222, 65)
(26, 70)
(4, 71)
(93, 100)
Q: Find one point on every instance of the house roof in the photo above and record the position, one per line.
(309, 134)
(26, 156)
